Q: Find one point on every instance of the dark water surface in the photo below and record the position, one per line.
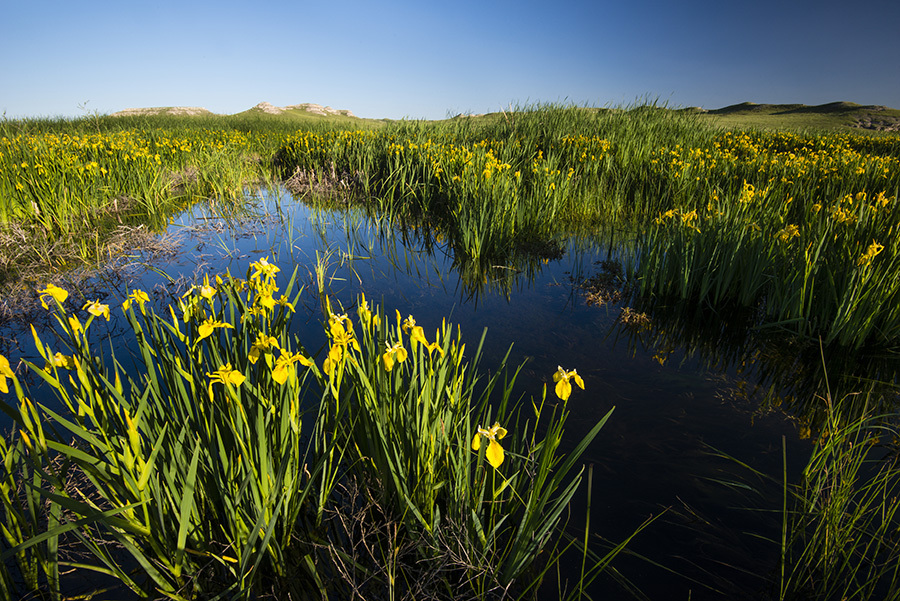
(673, 409)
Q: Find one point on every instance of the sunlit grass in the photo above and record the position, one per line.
(212, 465)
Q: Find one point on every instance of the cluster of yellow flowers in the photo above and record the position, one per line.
(467, 168)
(38, 166)
(871, 252)
(687, 219)
(261, 303)
(788, 233)
(820, 162)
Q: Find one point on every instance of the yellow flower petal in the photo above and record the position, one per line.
(578, 379)
(280, 373)
(418, 335)
(97, 309)
(5, 368)
(494, 454)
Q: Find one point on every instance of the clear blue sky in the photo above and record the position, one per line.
(427, 60)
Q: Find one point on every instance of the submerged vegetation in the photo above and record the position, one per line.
(222, 456)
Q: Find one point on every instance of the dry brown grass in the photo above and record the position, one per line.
(29, 259)
(606, 287)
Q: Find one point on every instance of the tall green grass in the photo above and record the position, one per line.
(799, 225)
(839, 520)
(841, 524)
(212, 467)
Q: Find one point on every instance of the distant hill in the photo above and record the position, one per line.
(266, 108)
(830, 115)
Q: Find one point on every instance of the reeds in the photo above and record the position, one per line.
(63, 181)
(841, 521)
(207, 463)
(801, 225)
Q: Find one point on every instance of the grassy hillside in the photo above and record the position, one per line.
(263, 114)
(831, 116)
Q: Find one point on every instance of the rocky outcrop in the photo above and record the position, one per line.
(163, 110)
(877, 123)
(309, 107)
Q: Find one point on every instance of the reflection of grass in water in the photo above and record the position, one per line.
(775, 370)
(840, 521)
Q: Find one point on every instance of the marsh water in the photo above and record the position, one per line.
(694, 397)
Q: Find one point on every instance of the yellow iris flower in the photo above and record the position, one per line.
(64, 361)
(138, 296)
(870, 254)
(281, 372)
(225, 375)
(342, 337)
(365, 313)
(494, 451)
(97, 309)
(75, 325)
(397, 351)
(563, 387)
(416, 333)
(263, 268)
(335, 353)
(206, 290)
(263, 344)
(58, 294)
(207, 327)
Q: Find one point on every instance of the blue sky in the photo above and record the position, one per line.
(427, 60)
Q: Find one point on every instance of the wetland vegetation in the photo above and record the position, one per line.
(211, 451)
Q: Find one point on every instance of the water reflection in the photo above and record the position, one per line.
(776, 370)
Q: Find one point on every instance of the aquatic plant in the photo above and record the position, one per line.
(211, 464)
(840, 523)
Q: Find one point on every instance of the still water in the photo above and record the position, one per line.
(684, 394)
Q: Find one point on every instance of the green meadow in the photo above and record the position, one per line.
(238, 462)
